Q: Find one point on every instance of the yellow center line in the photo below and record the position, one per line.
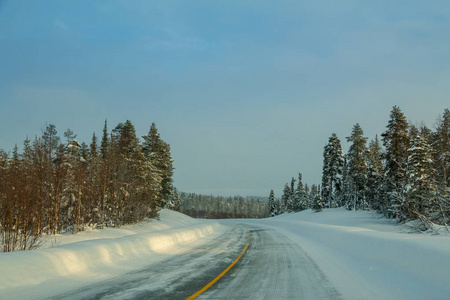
(221, 274)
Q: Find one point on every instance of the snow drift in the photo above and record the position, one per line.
(102, 254)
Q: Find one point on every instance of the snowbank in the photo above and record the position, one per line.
(100, 254)
(369, 257)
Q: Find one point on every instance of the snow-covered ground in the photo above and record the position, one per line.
(72, 261)
(362, 254)
(369, 257)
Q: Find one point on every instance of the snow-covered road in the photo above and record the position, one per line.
(335, 254)
(273, 267)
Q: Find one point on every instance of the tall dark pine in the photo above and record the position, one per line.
(301, 198)
(158, 152)
(273, 211)
(105, 141)
(285, 198)
(93, 153)
(127, 141)
(290, 206)
(396, 142)
(357, 168)
(51, 141)
(333, 163)
(317, 204)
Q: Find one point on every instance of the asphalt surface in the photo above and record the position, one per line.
(272, 268)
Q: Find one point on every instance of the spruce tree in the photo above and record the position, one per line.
(273, 211)
(51, 141)
(357, 168)
(421, 188)
(333, 164)
(158, 153)
(375, 175)
(396, 142)
(285, 199)
(317, 204)
(290, 204)
(105, 141)
(93, 152)
(301, 195)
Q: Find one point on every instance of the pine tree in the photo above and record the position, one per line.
(317, 204)
(307, 193)
(131, 201)
(396, 142)
(70, 136)
(51, 141)
(357, 167)
(105, 141)
(285, 198)
(273, 211)
(290, 203)
(127, 142)
(375, 175)
(158, 153)
(301, 195)
(421, 188)
(333, 164)
(93, 153)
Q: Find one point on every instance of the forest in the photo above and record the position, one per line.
(405, 175)
(218, 207)
(57, 186)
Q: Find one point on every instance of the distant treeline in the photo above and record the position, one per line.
(59, 185)
(216, 207)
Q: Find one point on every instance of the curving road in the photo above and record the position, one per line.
(272, 268)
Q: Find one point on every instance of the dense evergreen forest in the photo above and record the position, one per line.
(216, 207)
(405, 176)
(56, 185)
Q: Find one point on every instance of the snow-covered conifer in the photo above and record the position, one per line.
(158, 153)
(300, 195)
(421, 188)
(317, 204)
(332, 170)
(375, 175)
(396, 142)
(273, 211)
(286, 199)
(357, 168)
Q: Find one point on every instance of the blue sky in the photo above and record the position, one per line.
(245, 92)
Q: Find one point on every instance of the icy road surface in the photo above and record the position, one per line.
(272, 268)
